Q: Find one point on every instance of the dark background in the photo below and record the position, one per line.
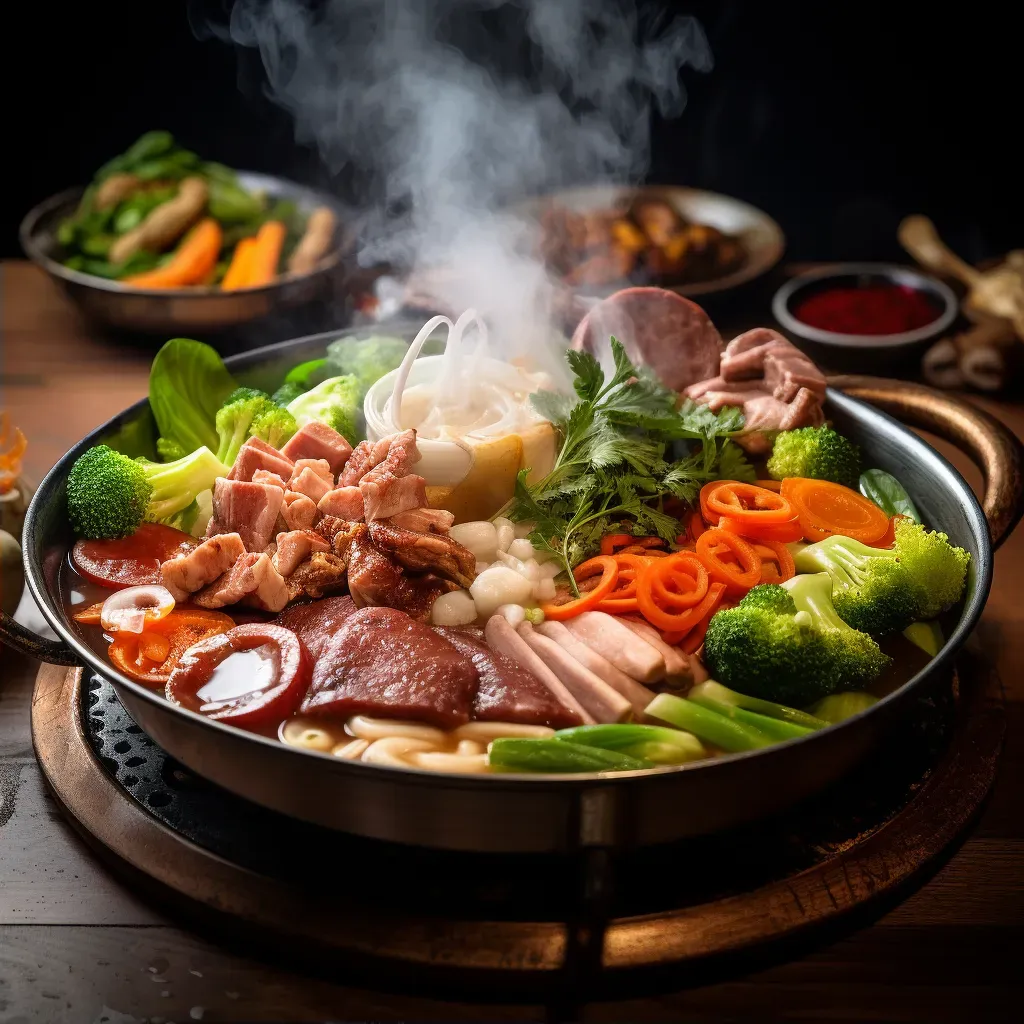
(836, 119)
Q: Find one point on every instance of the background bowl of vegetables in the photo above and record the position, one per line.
(162, 241)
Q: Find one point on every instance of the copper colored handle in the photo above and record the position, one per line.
(992, 447)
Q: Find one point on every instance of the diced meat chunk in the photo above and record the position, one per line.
(295, 547)
(424, 520)
(507, 692)
(308, 482)
(202, 565)
(318, 441)
(253, 576)
(386, 495)
(342, 503)
(424, 552)
(256, 455)
(246, 508)
(321, 467)
(316, 622)
(396, 454)
(385, 664)
(322, 573)
(298, 511)
(264, 476)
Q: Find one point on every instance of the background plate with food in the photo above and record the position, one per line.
(164, 241)
(598, 239)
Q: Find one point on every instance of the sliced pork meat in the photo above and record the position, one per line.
(765, 354)
(318, 441)
(252, 577)
(298, 511)
(424, 552)
(385, 664)
(256, 455)
(374, 579)
(295, 547)
(507, 692)
(424, 520)
(310, 483)
(321, 573)
(317, 621)
(720, 385)
(337, 532)
(385, 495)
(193, 570)
(364, 457)
(659, 329)
(321, 467)
(342, 503)
(264, 476)
(246, 508)
(766, 412)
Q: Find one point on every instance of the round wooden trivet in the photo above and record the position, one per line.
(499, 924)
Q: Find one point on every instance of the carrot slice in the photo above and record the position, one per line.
(784, 532)
(90, 616)
(137, 654)
(681, 581)
(266, 254)
(889, 537)
(825, 508)
(769, 484)
(241, 263)
(611, 542)
(191, 262)
(692, 641)
(777, 564)
(603, 565)
(747, 502)
(706, 513)
(739, 573)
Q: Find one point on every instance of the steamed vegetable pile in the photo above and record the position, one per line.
(203, 417)
(158, 216)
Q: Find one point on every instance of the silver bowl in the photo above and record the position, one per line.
(803, 285)
(761, 237)
(186, 311)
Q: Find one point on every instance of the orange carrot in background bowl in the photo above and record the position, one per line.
(266, 254)
(192, 260)
(241, 263)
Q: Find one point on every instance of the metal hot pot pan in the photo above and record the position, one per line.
(520, 813)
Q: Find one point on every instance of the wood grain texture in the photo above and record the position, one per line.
(946, 954)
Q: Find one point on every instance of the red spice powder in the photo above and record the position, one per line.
(872, 309)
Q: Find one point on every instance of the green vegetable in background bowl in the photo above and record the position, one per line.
(12, 574)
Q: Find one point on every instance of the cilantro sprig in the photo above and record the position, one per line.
(616, 460)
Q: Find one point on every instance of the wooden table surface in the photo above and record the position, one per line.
(77, 946)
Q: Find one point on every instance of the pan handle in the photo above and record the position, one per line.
(32, 645)
(993, 448)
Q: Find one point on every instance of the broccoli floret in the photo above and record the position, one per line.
(786, 644)
(368, 359)
(107, 494)
(335, 402)
(169, 450)
(816, 452)
(883, 590)
(234, 420)
(110, 495)
(288, 392)
(274, 425)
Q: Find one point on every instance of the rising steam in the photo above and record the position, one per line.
(454, 108)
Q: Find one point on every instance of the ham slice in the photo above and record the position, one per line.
(623, 648)
(318, 441)
(246, 508)
(255, 455)
(202, 565)
(384, 664)
(253, 577)
(506, 691)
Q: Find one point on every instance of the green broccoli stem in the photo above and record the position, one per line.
(843, 557)
(649, 742)
(776, 728)
(552, 755)
(812, 593)
(707, 725)
(176, 484)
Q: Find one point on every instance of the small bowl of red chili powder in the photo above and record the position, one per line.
(865, 306)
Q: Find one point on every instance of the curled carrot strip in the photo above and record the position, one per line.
(777, 564)
(748, 502)
(603, 566)
(825, 508)
(770, 485)
(784, 532)
(715, 545)
(681, 581)
(693, 640)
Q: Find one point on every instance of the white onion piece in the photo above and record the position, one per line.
(480, 537)
(513, 563)
(513, 614)
(455, 609)
(523, 530)
(544, 589)
(532, 570)
(499, 585)
(549, 570)
(521, 549)
(129, 610)
(506, 532)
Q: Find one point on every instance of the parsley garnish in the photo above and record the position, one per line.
(616, 462)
